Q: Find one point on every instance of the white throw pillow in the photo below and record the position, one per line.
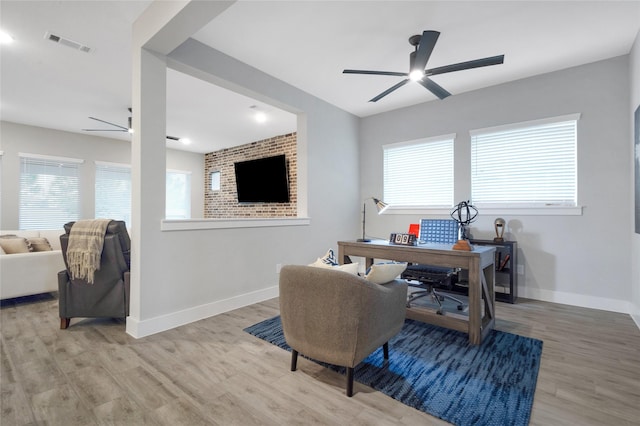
(381, 273)
(351, 268)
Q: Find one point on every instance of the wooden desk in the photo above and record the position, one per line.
(478, 262)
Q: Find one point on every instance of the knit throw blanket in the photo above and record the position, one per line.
(85, 248)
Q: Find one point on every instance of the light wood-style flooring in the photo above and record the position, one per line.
(212, 373)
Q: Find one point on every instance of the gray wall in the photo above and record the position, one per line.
(582, 260)
(634, 81)
(16, 138)
(186, 275)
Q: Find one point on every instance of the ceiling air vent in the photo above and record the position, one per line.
(66, 42)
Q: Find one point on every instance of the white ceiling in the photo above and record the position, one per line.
(305, 43)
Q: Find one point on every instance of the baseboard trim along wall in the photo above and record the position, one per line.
(602, 303)
(139, 329)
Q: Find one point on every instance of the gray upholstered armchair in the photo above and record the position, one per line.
(337, 317)
(108, 295)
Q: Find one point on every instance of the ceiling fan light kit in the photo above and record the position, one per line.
(423, 47)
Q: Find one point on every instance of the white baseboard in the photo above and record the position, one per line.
(138, 329)
(151, 326)
(636, 319)
(602, 303)
(635, 314)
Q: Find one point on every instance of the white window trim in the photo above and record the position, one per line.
(76, 162)
(198, 224)
(110, 164)
(420, 140)
(51, 158)
(503, 210)
(186, 172)
(413, 209)
(521, 124)
(549, 210)
(417, 210)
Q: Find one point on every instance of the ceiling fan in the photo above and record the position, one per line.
(418, 59)
(119, 128)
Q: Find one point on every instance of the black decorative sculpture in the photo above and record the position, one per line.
(464, 213)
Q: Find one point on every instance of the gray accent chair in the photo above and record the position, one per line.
(108, 296)
(336, 317)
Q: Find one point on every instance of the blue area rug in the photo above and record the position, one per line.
(436, 371)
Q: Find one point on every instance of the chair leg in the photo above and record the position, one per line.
(294, 360)
(349, 381)
(64, 323)
(385, 350)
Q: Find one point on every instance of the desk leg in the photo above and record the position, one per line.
(342, 258)
(488, 291)
(368, 261)
(489, 296)
(475, 319)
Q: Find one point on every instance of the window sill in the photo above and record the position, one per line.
(506, 211)
(194, 224)
(533, 211)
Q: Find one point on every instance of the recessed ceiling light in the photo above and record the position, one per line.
(5, 38)
(185, 141)
(260, 116)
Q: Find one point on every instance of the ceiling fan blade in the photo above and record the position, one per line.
(389, 90)
(477, 63)
(103, 130)
(434, 88)
(125, 129)
(396, 74)
(427, 43)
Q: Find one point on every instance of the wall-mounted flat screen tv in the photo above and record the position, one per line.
(263, 180)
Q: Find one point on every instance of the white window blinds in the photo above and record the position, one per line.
(530, 164)
(178, 201)
(49, 191)
(113, 192)
(419, 173)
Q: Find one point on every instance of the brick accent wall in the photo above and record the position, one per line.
(224, 203)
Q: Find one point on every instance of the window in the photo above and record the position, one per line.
(215, 181)
(49, 191)
(419, 173)
(113, 191)
(178, 195)
(531, 164)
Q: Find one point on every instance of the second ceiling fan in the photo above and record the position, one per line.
(119, 128)
(418, 59)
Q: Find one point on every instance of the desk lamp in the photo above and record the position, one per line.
(380, 205)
